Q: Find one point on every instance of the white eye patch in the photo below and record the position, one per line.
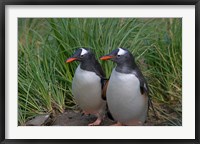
(121, 51)
(83, 51)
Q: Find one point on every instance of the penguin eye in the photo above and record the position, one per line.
(81, 56)
(118, 56)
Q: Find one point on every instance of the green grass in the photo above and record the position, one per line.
(44, 79)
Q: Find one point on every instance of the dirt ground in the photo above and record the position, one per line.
(72, 118)
(76, 118)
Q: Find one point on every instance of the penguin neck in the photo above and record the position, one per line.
(87, 64)
(126, 67)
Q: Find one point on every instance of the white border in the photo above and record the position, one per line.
(187, 131)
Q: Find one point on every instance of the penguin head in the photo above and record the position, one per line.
(81, 54)
(119, 56)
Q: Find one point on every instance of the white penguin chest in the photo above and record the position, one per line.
(86, 88)
(83, 77)
(123, 84)
(124, 98)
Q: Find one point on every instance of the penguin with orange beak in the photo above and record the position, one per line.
(87, 84)
(127, 91)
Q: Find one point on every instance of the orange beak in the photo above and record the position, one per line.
(106, 57)
(71, 59)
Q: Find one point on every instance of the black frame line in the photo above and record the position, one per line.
(3, 4)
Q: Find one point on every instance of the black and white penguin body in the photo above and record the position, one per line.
(127, 91)
(87, 84)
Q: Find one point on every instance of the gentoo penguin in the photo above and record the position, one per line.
(127, 91)
(88, 83)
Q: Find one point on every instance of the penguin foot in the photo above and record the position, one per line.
(96, 123)
(117, 124)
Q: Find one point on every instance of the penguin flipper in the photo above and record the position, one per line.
(104, 88)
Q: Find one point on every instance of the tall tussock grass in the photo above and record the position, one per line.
(44, 79)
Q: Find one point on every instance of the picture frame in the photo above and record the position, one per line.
(3, 73)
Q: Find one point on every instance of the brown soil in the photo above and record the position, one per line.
(72, 118)
(76, 118)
